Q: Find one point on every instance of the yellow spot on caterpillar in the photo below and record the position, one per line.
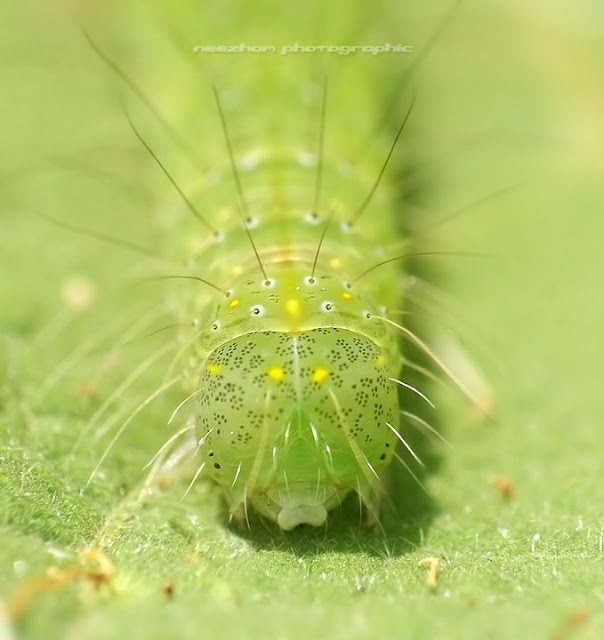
(213, 368)
(379, 361)
(346, 295)
(234, 302)
(292, 306)
(335, 263)
(319, 374)
(237, 270)
(79, 292)
(276, 373)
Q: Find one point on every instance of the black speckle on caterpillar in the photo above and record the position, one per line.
(282, 219)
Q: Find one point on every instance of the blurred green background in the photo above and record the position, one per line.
(511, 95)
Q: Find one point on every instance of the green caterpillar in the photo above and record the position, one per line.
(297, 403)
(286, 213)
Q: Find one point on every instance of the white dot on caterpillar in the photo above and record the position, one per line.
(310, 280)
(247, 162)
(257, 310)
(310, 93)
(346, 226)
(216, 325)
(327, 306)
(212, 176)
(344, 168)
(312, 217)
(307, 159)
(269, 283)
(252, 223)
(219, 236)
(230, 97)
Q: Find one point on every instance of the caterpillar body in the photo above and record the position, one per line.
(295, 404)
(286, 219)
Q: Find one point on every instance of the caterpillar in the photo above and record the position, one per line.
(276, 163)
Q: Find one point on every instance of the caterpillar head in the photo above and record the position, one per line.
(291, 422)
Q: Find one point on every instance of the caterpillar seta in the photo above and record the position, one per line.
(275, 150)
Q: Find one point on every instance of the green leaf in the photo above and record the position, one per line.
(515, 517)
